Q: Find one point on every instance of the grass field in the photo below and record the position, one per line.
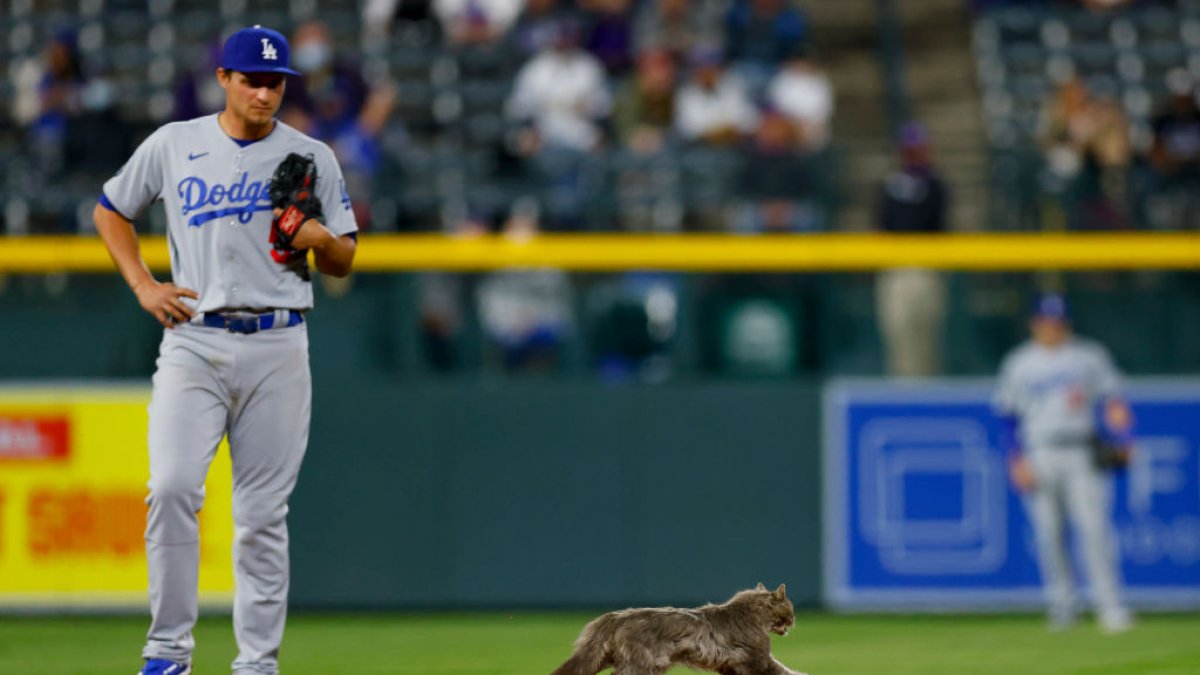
(533, 644)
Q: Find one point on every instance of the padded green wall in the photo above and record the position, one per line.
(555, 494)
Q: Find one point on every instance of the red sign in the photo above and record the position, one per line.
(34, 437)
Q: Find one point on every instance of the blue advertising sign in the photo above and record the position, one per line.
(919, 512)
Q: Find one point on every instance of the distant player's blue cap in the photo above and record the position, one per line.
(257, 50)
(1051, 306)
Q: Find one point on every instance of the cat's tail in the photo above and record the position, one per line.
(580, 664)
(591, 650)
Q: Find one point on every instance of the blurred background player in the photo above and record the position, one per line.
(1050, 393)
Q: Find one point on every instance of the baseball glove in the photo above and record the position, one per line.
(292, 192)
(1109, 454)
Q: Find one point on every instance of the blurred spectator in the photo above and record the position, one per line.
(560, 98)
(645, 105)
(634, 320)
(911, 302)
(1175, 158)
(678, 26)
(442, 297)
(48, 97)
(647, 173)
(197, 92)
(332, 102)
(610, 33)
(562, 93)
(476, 22)
(98, 140)
(801, 91)
(537, 26)
(759, 35)
(774, 181)
(526, 314)
(70, 117)
(713, 107)
(378, 15)
(1087, 151)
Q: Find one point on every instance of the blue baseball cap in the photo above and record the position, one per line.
(257, 50)
(1051, 306)
(913, 134)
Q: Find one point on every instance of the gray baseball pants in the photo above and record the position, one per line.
(1071, 489)
(257, 389)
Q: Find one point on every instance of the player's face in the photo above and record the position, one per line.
(1048, 331)
(254, 97)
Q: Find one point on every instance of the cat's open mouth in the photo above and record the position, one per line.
(781, 628)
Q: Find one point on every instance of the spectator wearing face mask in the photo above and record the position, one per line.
(333, 102)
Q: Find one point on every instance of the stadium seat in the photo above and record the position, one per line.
(1016, 25)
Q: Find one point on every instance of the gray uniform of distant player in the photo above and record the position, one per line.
(210, 382)
(1054, 392)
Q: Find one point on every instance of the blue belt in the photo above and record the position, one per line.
(250, 323)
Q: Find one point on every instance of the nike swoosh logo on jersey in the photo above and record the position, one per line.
(197, 155)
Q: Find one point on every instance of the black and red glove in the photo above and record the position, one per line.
(292, 192)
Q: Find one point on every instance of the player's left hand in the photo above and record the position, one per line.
(309, 234)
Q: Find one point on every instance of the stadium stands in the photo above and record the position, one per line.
(1025, 53)
(450, 104)
(448, 161)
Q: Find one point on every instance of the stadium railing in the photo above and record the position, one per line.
(699, 253)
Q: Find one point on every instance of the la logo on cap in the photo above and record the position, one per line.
(269, 53)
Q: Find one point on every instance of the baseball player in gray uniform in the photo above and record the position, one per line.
(234, 358)
(1054, 394)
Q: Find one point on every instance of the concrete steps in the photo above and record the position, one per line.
(941, 80)
(846, 43)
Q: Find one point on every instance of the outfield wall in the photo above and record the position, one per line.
(474, 490)
(425, 494)
(555, 494)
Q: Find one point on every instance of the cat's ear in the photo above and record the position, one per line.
(781, 591)
(760, 587)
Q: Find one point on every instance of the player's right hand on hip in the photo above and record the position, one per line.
(162, 300)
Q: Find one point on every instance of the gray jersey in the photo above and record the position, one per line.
(1054, 391)
(219, 212)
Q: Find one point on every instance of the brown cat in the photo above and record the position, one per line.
(732, 638)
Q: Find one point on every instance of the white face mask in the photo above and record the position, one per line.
(312, 56)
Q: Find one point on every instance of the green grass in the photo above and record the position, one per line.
(534, 643)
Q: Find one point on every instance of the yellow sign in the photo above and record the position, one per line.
(73, 472)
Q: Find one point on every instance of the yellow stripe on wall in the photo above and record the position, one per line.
(692, 252)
